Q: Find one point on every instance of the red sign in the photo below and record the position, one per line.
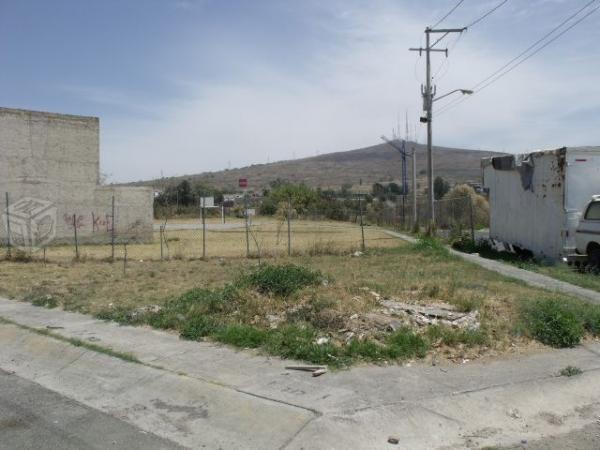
(243, 182)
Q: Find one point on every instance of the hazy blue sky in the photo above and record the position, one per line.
(185, 86)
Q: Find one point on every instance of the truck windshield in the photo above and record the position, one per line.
(593, 212)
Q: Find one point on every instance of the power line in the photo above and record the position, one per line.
(501, 72)
(487, 13)
(460, 35)
(550, 33)
(581, 19)
(448, 14)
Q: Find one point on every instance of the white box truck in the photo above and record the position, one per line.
(536, 199)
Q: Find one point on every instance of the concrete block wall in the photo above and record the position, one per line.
(55, 158)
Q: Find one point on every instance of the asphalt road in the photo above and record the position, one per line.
(32, 417)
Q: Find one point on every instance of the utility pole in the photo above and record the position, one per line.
(414, 186)
(428, 92)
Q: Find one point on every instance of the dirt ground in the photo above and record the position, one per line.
(351, 304)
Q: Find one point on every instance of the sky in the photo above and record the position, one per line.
(187, 86)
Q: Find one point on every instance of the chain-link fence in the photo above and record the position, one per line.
(236, 230)
(454, 215)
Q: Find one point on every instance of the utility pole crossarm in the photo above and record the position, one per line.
(445, 30)
(420, 50)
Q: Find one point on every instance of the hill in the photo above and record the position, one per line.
(332, 170)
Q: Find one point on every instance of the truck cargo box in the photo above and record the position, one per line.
(536, 199)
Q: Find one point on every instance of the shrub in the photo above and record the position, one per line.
(283, 280)
(465, 200)
(553, 323)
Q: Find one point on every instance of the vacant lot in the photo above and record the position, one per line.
(267, 238)
(332, 309)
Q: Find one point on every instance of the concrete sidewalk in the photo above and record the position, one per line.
(202, 394)
(32, 417)
(531, 278)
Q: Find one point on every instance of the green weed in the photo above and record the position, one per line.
(453, 337)
(197, 327)
(245, 336)
(570, 371)
(405, 343)
(283, 280)
(553, 323)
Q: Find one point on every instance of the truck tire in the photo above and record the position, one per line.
(594, 259)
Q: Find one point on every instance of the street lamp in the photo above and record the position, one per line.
(462, 91)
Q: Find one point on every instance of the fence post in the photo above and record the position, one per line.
(471, 219)
(362, 226)
(8, 241)
(161, 235)
(403, 211)
(125, 259)
(203, 229)
(247, 225)
(75, 233)
(289, 226)
(222, 213)
(112, 230)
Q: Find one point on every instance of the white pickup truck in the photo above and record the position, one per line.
(587, 237)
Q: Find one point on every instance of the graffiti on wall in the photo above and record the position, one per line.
(99, 223)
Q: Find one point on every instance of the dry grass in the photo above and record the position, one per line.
(268, 238)
(403, 272)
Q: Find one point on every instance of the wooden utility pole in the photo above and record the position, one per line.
(428, 92)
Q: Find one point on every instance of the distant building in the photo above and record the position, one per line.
(50, 170)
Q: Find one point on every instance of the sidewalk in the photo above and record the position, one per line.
(196, 394)
(531, 278)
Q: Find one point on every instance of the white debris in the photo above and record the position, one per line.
(322, 340)
(274, 320)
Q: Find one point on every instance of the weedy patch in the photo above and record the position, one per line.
(431, 246)
(292, 308)
(560, 323)
(40, 297)
(553, 322)
(283, 280)
(570, 371)
(451, 337)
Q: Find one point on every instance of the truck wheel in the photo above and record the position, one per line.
(594, 255)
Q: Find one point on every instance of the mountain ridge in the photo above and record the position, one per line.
(368, 165)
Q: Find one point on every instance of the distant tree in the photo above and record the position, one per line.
(440, 187)
(346, 190)
(185, 196)
(301, 195)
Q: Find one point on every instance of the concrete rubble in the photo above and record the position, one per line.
(432, 314)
